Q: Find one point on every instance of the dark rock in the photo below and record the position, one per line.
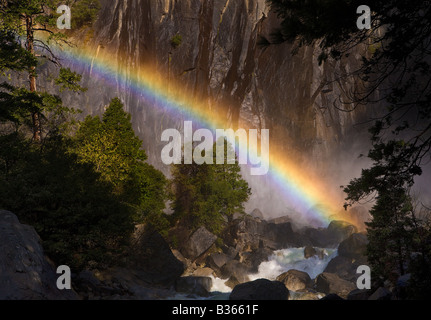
(25, 272)
(358, 294)
(152, 259)
(331, 283)
(338, 231)
(309, 252)
(248, 234)
(332, 296)
(200, 286)
(261, 289)
(255, 258)
(199, 242)
(354, 247)
(316, 237)
(344, 267)
(295, 280)
(381, 294)
(217, 260)
(232, 282)
(87, 281)
(236, 269)
(332, 236)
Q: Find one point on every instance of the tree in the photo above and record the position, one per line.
(36, 21)
(208, 194)
(80, 220)
(395, 69)
(112, 148)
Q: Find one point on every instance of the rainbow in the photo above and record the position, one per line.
(307, 193)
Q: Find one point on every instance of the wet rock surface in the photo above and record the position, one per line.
(25, 272)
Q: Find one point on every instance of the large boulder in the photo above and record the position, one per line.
(254, 258)
(338, 231)
(351, 255)
(330, 237)
(199, 242)
(331, 283)
(217, 260)
(295, 280)
(261, 289)
(344, 267)
(256, 213)
(25, 273)
(152, 259)
(237, 270)
(249, 233)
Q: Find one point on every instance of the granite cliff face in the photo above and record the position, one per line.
(219, 61)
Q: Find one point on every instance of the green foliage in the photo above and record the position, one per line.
(69, 80)
(111, 147)
(82, 223)
(13, 56)
(176, 41)
(207, 195)
(397, 67)
(84, 13)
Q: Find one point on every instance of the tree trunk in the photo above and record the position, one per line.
(37, 130)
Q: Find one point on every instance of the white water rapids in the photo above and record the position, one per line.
(282, 261)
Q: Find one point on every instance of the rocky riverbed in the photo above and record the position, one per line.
(304, 264)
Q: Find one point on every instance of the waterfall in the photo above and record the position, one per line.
(284, 260)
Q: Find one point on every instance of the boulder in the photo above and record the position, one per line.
(331, 283)
(338, 231)
(354, 247)
(199, 242)
(261, 289)
(309, 252)
(295, 280)
(253, 259)
(256, 213)
(248, 234)
(25, 272)
(152, 259)
(344, 267)
(200, 286)
(315, 237)
(236, 269)
(217, 260)
(203, 272)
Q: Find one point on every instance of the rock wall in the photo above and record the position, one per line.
(220, 62)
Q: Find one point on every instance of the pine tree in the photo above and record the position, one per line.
(110, 145)
(208, 194)
(36, 22)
